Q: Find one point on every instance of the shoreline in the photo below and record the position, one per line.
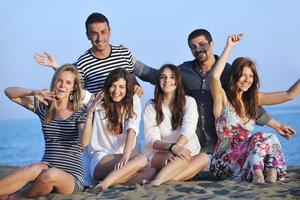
(204, 187)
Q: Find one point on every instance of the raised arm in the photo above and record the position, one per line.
(46, 59)
(25, 97)
(218, 93)
(279, 97)
(284, 130)
(86, 132)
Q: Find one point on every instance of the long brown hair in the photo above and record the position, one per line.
(112, 108)
(179, 98)
(77, 96)
(250, 97)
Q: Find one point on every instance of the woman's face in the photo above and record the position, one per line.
(117, 90)
(246, 80)
(64, 85)
(167, 81)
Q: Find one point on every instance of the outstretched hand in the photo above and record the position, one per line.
(233, 40)
(46, 59)
(95, 101)
(43, 96)
(285, 131)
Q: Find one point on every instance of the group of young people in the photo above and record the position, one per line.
(91, 115)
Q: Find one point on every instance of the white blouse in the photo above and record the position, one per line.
(103, 141)
(164, 130)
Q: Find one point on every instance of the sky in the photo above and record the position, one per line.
(155, 31)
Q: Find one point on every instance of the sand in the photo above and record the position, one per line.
(203, 188)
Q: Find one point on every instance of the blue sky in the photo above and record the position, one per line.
(156, 32)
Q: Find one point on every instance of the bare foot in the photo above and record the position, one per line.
(98, 188)
(258, 176)
(156, 183)
(271, 175)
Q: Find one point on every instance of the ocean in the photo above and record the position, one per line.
(22, 143)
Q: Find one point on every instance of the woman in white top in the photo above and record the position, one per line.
(112, 145)
(170, 122)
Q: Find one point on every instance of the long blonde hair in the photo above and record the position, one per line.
(77, 94)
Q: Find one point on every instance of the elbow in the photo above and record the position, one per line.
(8, 92)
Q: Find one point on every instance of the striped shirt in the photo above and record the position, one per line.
(62, 147)
(94, 70)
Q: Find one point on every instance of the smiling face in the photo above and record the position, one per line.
(64, 85)
(201, 49)
(246, 79)
(167, 81)
(117, 90)
(99, 33)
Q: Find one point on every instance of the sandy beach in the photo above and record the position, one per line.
(202, 188)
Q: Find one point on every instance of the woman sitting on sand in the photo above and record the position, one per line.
(113, 149)
(170, 122)
(62, 118)
(239, 155)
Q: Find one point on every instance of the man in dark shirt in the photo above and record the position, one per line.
(196, 81)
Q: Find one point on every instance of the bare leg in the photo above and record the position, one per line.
(50, 180)
(258, 176)
(271, 175)
(144, 175)
(169, 171)
(19, 178)
(199, 162)
(121, 175)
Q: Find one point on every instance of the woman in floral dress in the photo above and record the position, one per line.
(239, 154)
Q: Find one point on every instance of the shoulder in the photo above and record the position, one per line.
(186, 64)
(150, 104)
(120, 49)
(190, 101)
(86, 55)
(136, 98)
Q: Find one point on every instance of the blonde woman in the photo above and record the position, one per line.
(62, 118)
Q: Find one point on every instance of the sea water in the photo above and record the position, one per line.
(22, 143)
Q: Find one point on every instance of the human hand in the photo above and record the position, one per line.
(43, 96)
(46, 59)
(233, 40)
(94, 102)
(123, 161)
(285, 131)
(182, 152)
(138, 90)
(169, 159)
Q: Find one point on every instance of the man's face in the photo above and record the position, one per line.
(98, 33)
(201, 49)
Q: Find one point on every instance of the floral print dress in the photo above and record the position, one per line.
(238, 153)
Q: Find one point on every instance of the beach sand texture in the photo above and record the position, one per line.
(204, 188)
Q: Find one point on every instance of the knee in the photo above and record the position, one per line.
(203, 158)
(34, 170)
(141, 160)
(47, 176)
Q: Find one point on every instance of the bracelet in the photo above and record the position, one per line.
(171, 146)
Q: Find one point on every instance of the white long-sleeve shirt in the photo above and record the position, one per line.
(103, 141)
(164, 131)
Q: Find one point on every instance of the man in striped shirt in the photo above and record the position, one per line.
(97, 62)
